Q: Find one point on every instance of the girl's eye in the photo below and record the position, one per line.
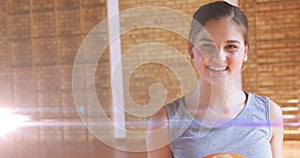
(231, 47)
(208, 46)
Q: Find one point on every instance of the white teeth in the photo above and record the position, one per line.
(219, 68)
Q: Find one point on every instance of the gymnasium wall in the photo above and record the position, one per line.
(39, 40)
(273, 66)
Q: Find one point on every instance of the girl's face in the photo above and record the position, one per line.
(219, 51)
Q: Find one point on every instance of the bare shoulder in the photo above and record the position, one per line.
(158, 135)
(277, 130)
(275, 112)
(158, 120)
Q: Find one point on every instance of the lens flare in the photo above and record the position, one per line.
(9, 121)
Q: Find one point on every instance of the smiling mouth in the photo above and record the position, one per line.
(217, 68)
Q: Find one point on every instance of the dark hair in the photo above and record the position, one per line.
(217, 10)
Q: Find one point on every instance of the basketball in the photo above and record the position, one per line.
(224, 155)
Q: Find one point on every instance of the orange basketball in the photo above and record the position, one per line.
(224, 155)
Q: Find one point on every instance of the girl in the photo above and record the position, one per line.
(217, 116)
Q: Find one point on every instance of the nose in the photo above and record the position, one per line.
(220, 54)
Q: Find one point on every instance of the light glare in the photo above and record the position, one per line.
(9, 121)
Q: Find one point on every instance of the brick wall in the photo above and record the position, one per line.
(39, 41)
(273, 66)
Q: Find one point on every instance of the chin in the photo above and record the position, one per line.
(218, 79)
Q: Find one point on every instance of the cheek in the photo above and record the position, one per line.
(236, 61)
(199, 63)
(197, 55)
(198, 59)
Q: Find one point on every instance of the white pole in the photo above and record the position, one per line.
(116, 68)
(233, 2)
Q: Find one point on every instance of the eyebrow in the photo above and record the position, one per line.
(206, 40)
(233, 41)
(210, 40)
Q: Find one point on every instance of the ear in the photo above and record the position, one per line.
(190, 48)
(245, 57)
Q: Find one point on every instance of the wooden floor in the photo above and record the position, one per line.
(92, 150)
(291, 149)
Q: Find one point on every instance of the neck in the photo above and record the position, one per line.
(216, 96)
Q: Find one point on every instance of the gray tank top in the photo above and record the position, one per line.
(248, 134)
